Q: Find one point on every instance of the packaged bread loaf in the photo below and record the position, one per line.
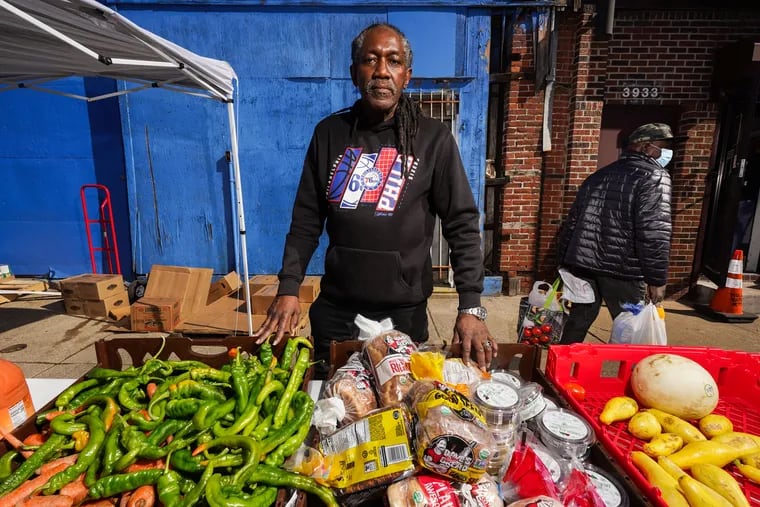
(388, 355)
(371, 452)
(354, 385)
(452, 438)
(428, 490)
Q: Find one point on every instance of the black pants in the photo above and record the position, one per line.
(330, 321)
(613, 291)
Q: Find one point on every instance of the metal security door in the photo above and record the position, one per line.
(442, 105)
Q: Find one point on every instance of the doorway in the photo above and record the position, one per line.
(618, 121)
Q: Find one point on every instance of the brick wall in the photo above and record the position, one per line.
(673, 50)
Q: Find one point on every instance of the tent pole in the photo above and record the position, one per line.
(240, 212)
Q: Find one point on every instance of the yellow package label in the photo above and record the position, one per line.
(454, 400)
(371, 448)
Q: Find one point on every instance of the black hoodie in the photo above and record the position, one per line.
(380, 217)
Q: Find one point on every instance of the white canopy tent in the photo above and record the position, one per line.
(45, 40)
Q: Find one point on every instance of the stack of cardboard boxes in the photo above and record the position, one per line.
(264, 289)
(172, 292)
(96, 295)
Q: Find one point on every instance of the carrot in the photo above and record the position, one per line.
(105, 502)
(144, 496)
(15, 442)
(29, 487)
(150, 389)
(34, 439)
(66, 461)
(46, 501)
(145, 464)
(76, 490)
(124, 499)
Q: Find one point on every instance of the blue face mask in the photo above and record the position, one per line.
(665, 156)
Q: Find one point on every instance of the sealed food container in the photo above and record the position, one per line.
(556, 467)
(506, 377)
(15, 400)
(533, 402)
(610, 490)
(565, 432)
(499, 403)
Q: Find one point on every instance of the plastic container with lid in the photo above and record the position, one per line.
(565, 432)
(533, 401)
(499, 403)
(507, 377)
(610, 490)
(15, 401)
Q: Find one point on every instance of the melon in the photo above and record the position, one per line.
(674, 384)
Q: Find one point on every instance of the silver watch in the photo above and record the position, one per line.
(478, 311)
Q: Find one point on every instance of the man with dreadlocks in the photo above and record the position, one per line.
(377, 174)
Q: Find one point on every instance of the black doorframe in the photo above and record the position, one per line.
(737, 88)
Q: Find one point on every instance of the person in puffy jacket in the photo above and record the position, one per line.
(617, 234)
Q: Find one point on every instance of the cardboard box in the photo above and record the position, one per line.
(114, 307)
(262, 299)
(258, 282)
(309, 289)
(29, 284)
(228, 284)
(74, 306)
(155, 314)
(189, 285)
(92, 287)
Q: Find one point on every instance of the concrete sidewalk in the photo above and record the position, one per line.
(36, 334)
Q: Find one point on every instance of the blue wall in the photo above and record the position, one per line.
(49, 147)
(292, 64)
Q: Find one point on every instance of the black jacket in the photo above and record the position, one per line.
(379, 221)
(620, 224)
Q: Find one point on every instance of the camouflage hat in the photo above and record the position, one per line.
(651, 132)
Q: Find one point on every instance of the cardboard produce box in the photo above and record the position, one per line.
(189, 285)
(155, 314)
(262, 299)
(309, 289)
(226, 285)
(114, 307)
(92, 287)
(74, 306)
(258, 282)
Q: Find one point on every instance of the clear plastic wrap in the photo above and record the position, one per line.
(428, 490)
(354, 385)
(389, 356)
(452, 438)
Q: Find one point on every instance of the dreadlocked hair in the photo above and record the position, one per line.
(406, 122)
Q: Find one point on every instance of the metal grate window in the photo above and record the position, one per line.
(442, 105)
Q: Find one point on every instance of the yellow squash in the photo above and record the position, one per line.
(671, 468)
(739, 440)
(713, 425)
(673, 424)
(752, 460)
(708, 451)
(644, 425)
(720, 481)
(749, 472)
(619, 408)
(700, 495)
(663, 444)
(660, 479)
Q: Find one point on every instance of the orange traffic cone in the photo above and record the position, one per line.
(729, 298)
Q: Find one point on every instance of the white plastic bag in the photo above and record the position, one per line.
(639, 325)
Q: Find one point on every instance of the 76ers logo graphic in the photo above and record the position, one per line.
(368, 179)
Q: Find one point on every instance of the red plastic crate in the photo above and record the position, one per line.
(604, 371)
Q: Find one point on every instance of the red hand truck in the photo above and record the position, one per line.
(107, 229)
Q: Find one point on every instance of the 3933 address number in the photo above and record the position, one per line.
(640, 92)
